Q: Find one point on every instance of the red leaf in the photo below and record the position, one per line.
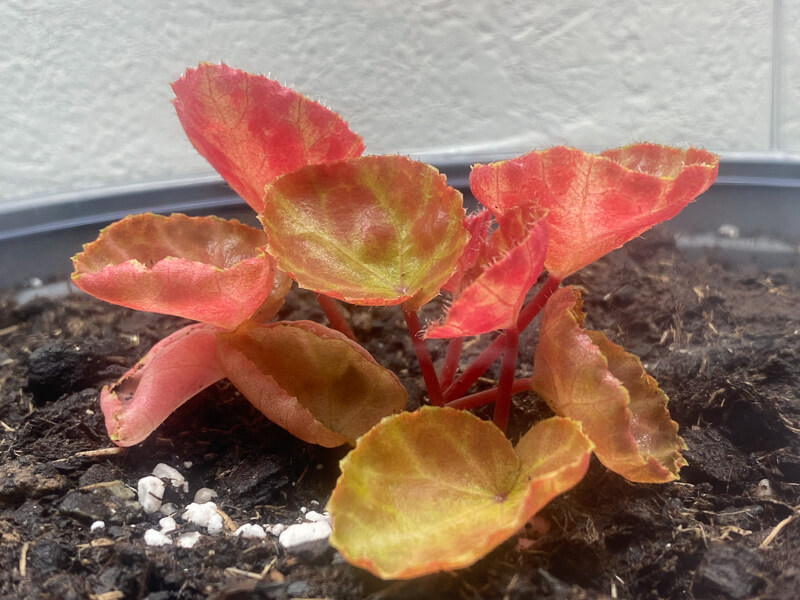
(202, 268)
(494, 299)
(374, 230)
(174, 370)
(595, 203)
(252, 129)
(472, 260)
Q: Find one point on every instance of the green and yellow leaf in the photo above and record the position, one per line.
(438, 489)
(309, 379)
(374, 230)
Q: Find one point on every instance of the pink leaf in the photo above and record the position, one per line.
(252, 129)
(175, 369)
(202, 268)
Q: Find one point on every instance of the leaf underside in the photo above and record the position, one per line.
(584, 376)
(473, 259)
(438, 489)
(309, 379)
(252, 129)
(494, 299)
(175, 369)
(375, 230)
(595, 203)
(202, 268)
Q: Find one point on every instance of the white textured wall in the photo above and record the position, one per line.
(85, 97)
(789, 108)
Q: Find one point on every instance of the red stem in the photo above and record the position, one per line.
(336, 319)
(535, 306)
(484, 360)
(451, 360)
(502, 407)
(487, 396)
(423, 357)
(475, 369)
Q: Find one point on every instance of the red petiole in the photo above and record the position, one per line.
(451, 361)
(502, 407)
(423, 357)
(335, 316)
(484, 360)
(486, 396)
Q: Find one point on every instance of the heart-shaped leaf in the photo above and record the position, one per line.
(374, 230)
(584, 376)
(438, 489)
(494, 299)
(252, 129)
(309, 379)
(202, 268)
(595, 203)
(175, 369)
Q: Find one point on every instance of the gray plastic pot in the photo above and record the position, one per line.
(752, 212)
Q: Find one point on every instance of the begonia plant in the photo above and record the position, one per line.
(437, 488)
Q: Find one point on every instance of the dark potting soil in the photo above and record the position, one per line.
(723, 343)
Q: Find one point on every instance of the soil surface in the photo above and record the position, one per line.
(724, 344)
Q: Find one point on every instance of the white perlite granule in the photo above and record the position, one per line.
(188, 540)
(204, 515)
(153, 537)
(304, 533)
(151, 493)
(177, 480)
(251, 531)
(204, 495)
(314, 516)
(168, 525)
